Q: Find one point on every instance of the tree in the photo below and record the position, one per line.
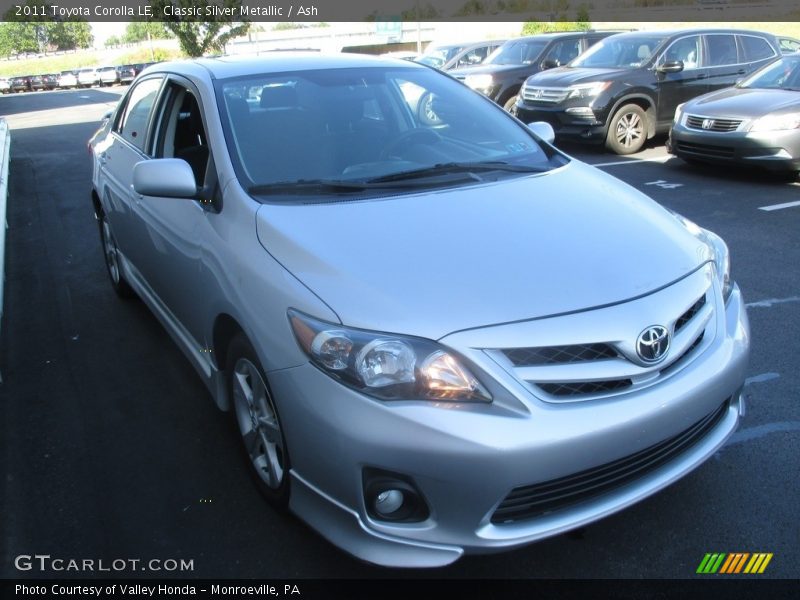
(39, 31)
(140, 31)
(197, 38)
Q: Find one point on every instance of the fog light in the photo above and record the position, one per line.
(393, 497)
(388, 502)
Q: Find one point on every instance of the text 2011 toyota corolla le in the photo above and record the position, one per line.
(437, 333)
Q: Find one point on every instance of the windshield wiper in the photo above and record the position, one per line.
(330, 186)
(461, 167)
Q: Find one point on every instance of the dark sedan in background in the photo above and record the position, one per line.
(20, 84)
(755, 123)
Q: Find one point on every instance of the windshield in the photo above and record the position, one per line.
(516, 52)
(784, 74)
(341, 128)
(619, 52)
(436, 57)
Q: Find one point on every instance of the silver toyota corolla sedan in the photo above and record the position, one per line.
(438, 336)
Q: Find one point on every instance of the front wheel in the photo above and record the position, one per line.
(511, 104)
(111, 255)
(628, 130)
(258, 423)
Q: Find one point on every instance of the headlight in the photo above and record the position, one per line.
(387, 366)
(718, 247)
(587, 90)
(678, 113)
(481, 81)
(776, 122)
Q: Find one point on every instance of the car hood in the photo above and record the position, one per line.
(744, 102)
(490, 69)
(566, 76)
(432, 263)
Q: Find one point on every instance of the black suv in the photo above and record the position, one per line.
(625, 89)
(501, 75)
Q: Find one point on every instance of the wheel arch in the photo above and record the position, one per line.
(98, 206)
(644, 102)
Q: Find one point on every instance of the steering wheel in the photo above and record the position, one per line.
(410, 138)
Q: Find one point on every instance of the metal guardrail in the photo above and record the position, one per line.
(5, 144)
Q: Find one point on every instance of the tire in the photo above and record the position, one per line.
(258, 424)
(111, 256)
(511, 104)
(627, 132)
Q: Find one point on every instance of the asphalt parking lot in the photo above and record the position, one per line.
(111, 447)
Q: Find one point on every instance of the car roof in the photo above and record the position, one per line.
(688, 31)
(223, 67)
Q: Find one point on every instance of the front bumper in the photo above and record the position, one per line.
(589, 125)
(465, 459)
(772, 150)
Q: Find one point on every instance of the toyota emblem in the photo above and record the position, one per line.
(653, 343)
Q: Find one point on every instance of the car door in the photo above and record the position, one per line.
(689, 82)
(125, 146)
(723, 63)
(170, 228)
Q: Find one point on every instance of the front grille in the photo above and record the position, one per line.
(585, 387)
(530, 501)
(687, 316)
(709, 124)
(679, 361)
(522, 357)
(546, 95)
(708, 150)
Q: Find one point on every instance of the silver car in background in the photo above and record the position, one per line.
(436, 336)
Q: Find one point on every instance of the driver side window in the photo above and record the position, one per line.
(686, 50)
(182, 133)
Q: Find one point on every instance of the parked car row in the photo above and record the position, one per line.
(622, 88)
(73, 78)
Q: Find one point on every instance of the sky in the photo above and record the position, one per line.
(103, 31)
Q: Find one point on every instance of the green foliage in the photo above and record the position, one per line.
(421, 13)
(137, 31)
(474, 7)
(197, 38)
(39, 32)
(113, 41)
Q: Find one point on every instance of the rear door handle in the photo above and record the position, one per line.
(103, 158)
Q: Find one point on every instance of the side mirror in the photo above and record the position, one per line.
(165, 177)
(672, 66)
(550, 63)
(543, 131)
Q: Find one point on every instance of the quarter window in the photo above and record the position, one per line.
(132, 126)
(756, 48)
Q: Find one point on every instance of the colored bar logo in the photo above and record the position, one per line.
(734, 563)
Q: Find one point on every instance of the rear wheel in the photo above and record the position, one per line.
(628, 130)
(258, 423)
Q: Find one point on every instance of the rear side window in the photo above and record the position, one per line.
(132, 124)
(721, 50)
(755, 48)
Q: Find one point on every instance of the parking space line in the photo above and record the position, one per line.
(769, 303)
(660, 159)
(780, 206)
